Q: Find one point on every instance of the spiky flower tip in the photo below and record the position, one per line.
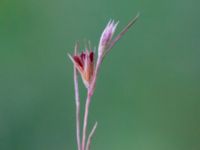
(84, 63)
(106, 36)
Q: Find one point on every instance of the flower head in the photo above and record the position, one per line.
(106, 36)
(84, 63)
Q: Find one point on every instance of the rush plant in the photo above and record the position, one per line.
(86, 65)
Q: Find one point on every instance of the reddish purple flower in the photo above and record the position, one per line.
(84, 63)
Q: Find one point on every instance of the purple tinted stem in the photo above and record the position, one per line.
(77, 100)
(87, 105)
(85, 121)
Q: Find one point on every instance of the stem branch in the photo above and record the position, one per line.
(90, 136)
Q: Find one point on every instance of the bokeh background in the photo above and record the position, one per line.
(148, 91)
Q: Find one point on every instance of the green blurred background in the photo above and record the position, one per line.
(148, 92)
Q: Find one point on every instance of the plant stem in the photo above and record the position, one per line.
(77, 100)
(85, 121)
(87, 104)
(90, 136)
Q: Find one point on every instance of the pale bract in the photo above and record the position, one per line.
(106, 37)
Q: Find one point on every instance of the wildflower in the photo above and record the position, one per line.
(84, 63)
(106, 37)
